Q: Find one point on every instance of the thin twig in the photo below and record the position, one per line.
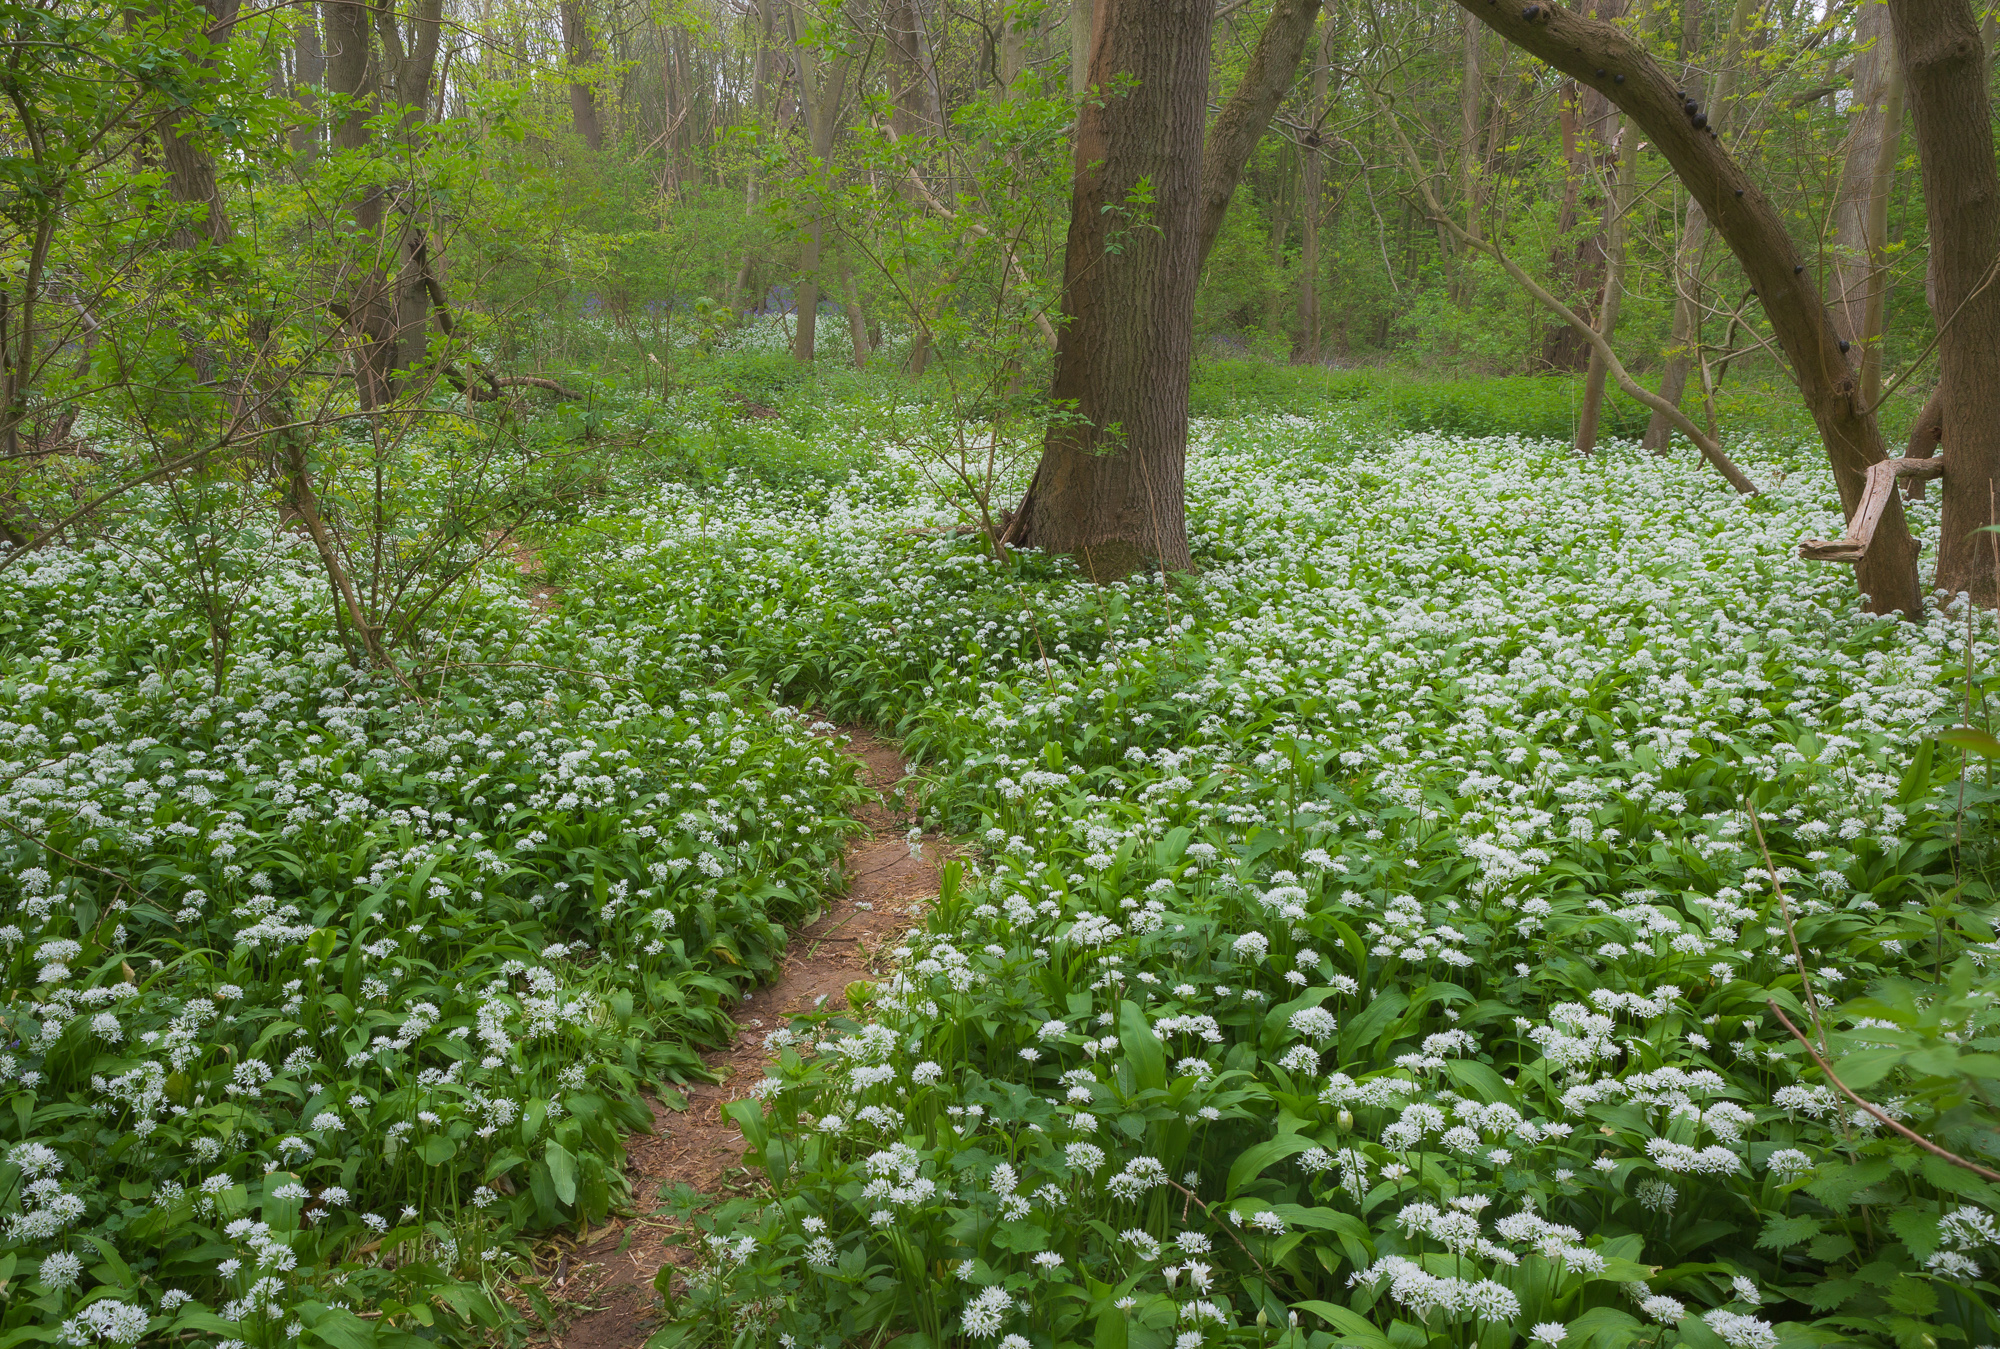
(1876, 1111)
(1785, 909)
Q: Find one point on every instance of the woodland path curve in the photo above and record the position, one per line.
(605, 1277)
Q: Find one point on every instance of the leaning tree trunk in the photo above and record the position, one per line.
(1109, 487)
(1582, 48)
(1244, 119)
(1944, 71)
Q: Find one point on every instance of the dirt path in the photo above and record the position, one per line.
(606, 1277)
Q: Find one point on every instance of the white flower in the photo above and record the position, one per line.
(1549, 1332)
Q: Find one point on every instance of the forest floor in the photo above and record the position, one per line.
(601, 1280)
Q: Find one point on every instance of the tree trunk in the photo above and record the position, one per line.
(1692, 250)
(1082, 24)
(308, 74)
(1470, 122)
(760, 80)
(1944, 71)
(819, 104)
(1756, 234)
(1244, 119)
(580, 52)
(1109, 487)
(1861, 203)
(1623, 188)
(1313, 187)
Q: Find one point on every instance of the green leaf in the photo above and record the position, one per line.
(562, 1171)
(1111, 1333)
(1972, 739)
(1605, 1328)
(1918, 1229)
(436, 1150)
(1781, 1233)
(1252, 1162)
(1352, 1327)
(1917, 777)
(1143, 1049)
(1480, 1080)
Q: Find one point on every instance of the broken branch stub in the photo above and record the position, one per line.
(1875, 497)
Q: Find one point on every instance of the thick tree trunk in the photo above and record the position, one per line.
(1756, 234)
(1623, 188)
(1861, 203)
(1244, 119)
(1939, 45)
(913, 91)
(1109, 487)
(580, 52)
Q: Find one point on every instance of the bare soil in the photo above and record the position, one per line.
(604, 1278)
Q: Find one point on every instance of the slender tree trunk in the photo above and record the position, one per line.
(760, 80)
(1944, 69)
(1313, 187)
(308, 74)
(857, 318)
(1013, 54)
(1471, 121)
(581, 53)
(1861, 203)
(1623, 188)
(1244, 119)
(1756, 234)
(1110, 483)
(819, 104)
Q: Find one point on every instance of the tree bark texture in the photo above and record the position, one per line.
(1244, 119)
(308, 75)
(1751, 225)
(1109, 487)
(581, 53)
(1082, 23)
(1944, 69)
(1861, 203)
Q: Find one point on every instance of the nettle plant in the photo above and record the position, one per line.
(323, 987)
(1368, 941)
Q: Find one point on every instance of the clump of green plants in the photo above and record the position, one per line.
(326, 985)
(1371, 939)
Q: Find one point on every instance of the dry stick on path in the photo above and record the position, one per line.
(1847, 1091)
(1600, 346)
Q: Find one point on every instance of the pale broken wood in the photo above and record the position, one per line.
(1881, 485)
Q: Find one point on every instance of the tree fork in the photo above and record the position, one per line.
(1605, 58)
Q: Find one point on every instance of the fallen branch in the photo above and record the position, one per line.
(1847, 1091)
(1875, 497)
